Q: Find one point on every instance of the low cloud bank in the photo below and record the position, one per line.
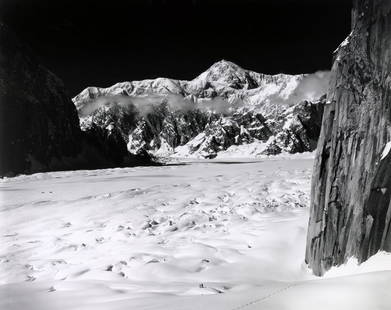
(145, 104)
(311, 87)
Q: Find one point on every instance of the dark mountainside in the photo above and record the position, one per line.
(351, 185)
(39, 124)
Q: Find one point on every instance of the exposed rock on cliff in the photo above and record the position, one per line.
(350, 208)
(39, 127)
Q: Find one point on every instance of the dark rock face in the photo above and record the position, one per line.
(106, 148)
(39, 124)
(350, 203)
(39, 127)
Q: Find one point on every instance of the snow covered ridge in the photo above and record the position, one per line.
(224, 106)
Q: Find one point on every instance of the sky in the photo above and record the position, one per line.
(99, 43)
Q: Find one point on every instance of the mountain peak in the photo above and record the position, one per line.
(224, 72)
(226, 64)
(225, 67)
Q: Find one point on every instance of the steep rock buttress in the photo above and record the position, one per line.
(351, 185)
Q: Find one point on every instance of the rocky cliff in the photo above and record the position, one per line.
(224, 106)
(350, 204)
(39, 127)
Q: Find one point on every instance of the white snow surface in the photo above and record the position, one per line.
(386, 150)
(208, 234)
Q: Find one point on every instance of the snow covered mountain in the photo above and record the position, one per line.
(224, 106)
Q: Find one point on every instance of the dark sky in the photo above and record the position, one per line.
(103, 42)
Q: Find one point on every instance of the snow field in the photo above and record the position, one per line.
(195, 235)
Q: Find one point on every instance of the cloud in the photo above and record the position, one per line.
(145, 105)
(219, 105)
(311, 87)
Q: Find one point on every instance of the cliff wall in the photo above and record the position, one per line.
(351, 185)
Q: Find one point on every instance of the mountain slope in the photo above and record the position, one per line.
(39, 125)
(39, 128)
(224, 106)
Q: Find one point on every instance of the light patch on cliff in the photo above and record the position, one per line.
(386, 150)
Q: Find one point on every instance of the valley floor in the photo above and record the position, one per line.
(194, 235)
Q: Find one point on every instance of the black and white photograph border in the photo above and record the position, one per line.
(184, 155)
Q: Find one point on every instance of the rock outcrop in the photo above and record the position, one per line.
(350, 204)
(39, 127)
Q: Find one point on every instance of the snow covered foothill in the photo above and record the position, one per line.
(196, 234)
